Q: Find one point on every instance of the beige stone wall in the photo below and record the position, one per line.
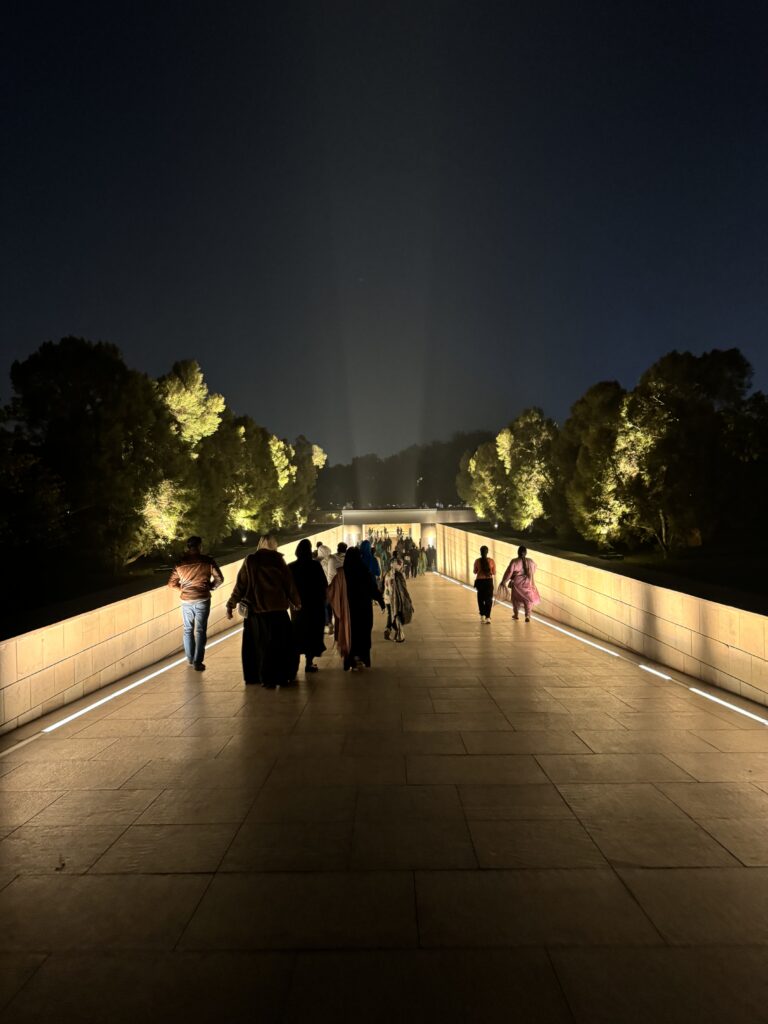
(50, 667)
(718, 644)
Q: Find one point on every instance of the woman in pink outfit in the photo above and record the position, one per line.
(519, 578)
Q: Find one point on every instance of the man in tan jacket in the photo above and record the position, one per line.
(195, 575)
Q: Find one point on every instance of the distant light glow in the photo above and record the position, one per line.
(655, 672)
(130, 686)
(727, 704)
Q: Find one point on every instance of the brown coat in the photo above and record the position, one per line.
(195, 575)
(266, 583)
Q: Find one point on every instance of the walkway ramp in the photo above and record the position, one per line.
(497, 822)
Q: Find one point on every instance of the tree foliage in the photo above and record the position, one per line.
(99, 459)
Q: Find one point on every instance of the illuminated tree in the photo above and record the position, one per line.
(101, 431)
(674, 468)
(196, 412)
(524, 451)
(588, 494)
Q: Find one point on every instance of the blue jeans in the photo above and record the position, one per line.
(195, 616)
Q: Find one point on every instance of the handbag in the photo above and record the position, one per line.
(244, 609)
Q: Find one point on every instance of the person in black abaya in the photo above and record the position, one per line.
(352, 605)
(309, 620)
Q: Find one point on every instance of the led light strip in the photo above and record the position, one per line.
(655, 672)
(131, 686)
(727, 704)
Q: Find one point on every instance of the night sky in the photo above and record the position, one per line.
(376, 223)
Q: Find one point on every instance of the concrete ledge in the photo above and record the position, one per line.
(718, 644)
(57, 664)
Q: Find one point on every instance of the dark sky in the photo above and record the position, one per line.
(379, 222)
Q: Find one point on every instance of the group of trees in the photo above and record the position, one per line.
(102, 461)
(424, 474)
(679, 461)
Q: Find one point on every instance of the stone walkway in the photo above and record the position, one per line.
(495, 823)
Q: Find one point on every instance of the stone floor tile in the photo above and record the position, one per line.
(403, 843)
(279, 802)
(304, 911)
(704, 906)
(16, 808)
(125, 987)
(196, 806)
(746, 838)
(166, 849)
(340, 771)
(290, 846)
(513, 803)
(676, 986)
(96, 807)
(736, 740)
(625, 800)
(73, 749)
(418, 986)
(454, 722)
(15, 971)
(532, 742)
(64, 775)
(168, 748)
(42, 849)
(717, 799)
(97, 912)
(410, 803)
(475, 769)
(663, 843)
(564, 768)
(534, 844)
(642, 741)
(531, 907)
(372, 743)
(230, 773)
(716, 767)
(118, 727)
(561, 722)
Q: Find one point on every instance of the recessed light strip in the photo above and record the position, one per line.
(131, 686)
(655, 672)
(727, 704)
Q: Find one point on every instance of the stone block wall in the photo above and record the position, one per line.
(718, 644)
(57, 664)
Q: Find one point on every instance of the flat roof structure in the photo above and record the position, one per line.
(496, 822)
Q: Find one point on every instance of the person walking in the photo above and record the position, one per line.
(352, 594)
(264, 590)
(519, 577)
(398, 602)
(370, 561)
(195, 576)
(484, 570)
(309, 620)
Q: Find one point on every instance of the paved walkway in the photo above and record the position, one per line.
(496, 823)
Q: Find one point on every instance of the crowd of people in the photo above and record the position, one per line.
(289, 609)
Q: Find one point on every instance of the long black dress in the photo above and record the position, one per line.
(362, 591)
(309, 621)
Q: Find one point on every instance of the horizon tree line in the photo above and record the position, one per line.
(679, 461)
(102, 462)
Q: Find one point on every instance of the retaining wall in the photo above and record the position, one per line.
(53, 666)
(713, 642)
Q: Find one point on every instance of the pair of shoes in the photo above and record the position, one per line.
(400, 640)
(488, 620)
(310, 668)
(527, 618)
(482, 618)
(200, 667)
(268, 686)
(191, 664)
(515, 617)
(386, 634)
